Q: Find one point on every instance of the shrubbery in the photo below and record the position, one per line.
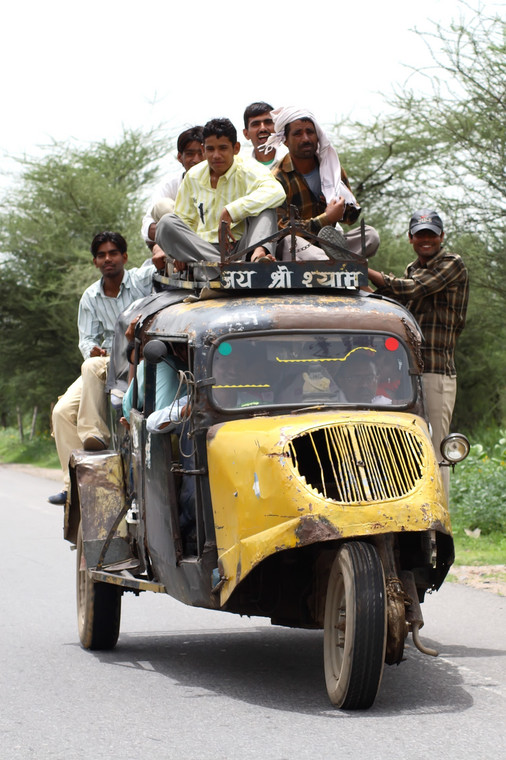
(478, 488)
(40, 451)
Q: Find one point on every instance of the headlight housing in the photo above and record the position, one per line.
(455, 447)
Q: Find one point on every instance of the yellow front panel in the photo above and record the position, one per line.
(263, 503)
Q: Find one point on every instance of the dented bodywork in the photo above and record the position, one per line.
(99, 501)
(202, 321)
(291, 475)
(264, 503)
(279, 485)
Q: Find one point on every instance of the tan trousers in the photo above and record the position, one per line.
(172, 235)
(440, 392)
(81, 412)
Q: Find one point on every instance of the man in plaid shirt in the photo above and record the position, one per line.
(435, 289)
(314, 182)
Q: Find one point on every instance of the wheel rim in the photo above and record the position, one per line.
(354, 627)
(338, 625)
(82, 582)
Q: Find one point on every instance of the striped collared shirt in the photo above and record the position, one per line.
(247, 189)
(436, 295)
(98, 313)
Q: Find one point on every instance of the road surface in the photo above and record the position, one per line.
(189, 683)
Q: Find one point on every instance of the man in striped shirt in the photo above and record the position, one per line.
(435, 289)
(79, 416)
(225, 188)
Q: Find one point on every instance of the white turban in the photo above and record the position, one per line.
(330, 166)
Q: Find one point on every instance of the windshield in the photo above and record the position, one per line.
(305, 369)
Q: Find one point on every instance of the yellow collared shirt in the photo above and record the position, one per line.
(247, 189)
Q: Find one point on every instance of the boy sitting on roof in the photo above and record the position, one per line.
(224, 188)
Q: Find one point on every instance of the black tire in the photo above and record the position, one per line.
(98, 606)
(355, 627)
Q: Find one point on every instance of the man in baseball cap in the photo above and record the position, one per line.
(435, 288)
(425, 220)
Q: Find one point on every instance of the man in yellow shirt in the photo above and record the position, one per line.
(224, 188)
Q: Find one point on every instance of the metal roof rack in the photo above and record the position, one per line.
(347, 272)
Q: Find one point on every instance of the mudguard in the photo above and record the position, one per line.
(98, 500)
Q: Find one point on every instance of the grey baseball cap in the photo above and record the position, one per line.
(425, 219)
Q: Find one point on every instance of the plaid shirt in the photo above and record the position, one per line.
(437, 296)
(311, 209)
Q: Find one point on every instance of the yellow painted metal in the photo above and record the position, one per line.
(262, 504)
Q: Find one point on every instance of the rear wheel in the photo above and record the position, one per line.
(98, 606)
(355, 627)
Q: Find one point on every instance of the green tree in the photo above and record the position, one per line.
(47, 222)
(442, 144)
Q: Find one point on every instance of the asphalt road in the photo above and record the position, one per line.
(190, 683)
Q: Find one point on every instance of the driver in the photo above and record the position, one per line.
(358, 379)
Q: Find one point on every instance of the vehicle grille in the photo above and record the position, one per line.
(359, 463)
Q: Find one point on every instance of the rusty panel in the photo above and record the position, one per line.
(263, 503)
(100, 484)
(201, 320)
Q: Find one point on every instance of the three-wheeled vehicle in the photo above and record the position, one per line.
(300, 482)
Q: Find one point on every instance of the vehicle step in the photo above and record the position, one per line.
(127, 580)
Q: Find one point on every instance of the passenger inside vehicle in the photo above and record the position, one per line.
(171, 416)
(167, 381)
(295, 369)
(239, 368)
(389, 375)
(358, 379)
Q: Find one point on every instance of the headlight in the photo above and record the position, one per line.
(455, 447)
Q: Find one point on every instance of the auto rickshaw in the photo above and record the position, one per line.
(300, 483)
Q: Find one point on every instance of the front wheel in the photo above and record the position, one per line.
(355, 627)
(98, 606)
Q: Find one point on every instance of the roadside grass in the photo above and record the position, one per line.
(478, 488)
(40, 451)
(486, 550)
(478, 504)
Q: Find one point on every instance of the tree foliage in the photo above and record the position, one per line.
(442, 144)
(47, 222)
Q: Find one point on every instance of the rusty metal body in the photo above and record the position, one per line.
(281, 482)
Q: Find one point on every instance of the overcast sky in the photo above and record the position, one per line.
(86, 70)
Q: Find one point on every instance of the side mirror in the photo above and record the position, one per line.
(155, 351)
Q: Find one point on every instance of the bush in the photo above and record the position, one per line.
(40, 451)
(478, 488)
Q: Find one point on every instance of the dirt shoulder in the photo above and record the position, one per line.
(485, 577)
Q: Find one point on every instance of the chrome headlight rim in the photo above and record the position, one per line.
(454, 447)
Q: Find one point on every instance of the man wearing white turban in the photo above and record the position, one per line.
(316, 185)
